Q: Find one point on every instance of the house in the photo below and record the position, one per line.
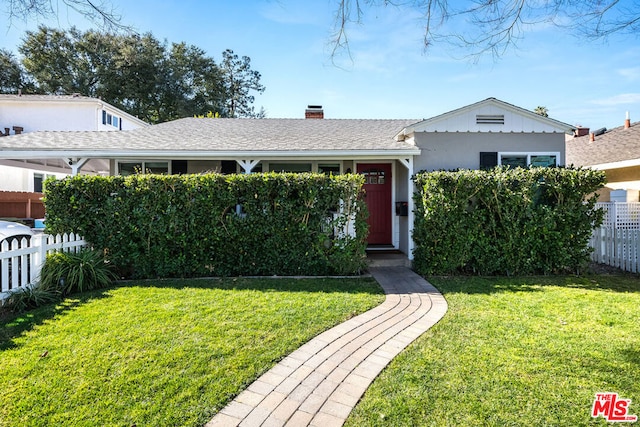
(31, 113)
(386, 152)
(615, 151)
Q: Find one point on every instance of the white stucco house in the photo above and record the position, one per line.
(32, 113)
(387, 152)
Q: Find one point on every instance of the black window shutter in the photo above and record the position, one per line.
(488, 160)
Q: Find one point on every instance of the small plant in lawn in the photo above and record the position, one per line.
(76, 272)
(23, 299)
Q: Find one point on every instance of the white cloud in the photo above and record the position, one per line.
(623, 98)
(630, 74)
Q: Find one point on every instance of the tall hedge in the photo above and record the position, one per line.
(212, 224)
(505, 221)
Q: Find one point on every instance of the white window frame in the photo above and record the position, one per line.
(529, 154)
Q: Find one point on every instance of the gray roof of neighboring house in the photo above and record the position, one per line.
(616, 145)
(226, 135)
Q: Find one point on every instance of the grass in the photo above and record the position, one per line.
(515, 352)
(161, 354)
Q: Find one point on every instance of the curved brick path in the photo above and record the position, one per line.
(321, 382)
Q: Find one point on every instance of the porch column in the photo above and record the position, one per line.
(247, 165)
(408, 163)
(76, 164)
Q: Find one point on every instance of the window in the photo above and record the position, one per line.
(130, 168)
(111, 120)
(329, 168)
(38, 179)
(528, 159)
(374, 176)
(290, 167)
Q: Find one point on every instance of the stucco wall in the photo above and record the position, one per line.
(453, 150)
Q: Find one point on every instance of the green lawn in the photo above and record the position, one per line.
(168, 353)
(515, 352)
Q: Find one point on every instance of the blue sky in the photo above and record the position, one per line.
(591, 84)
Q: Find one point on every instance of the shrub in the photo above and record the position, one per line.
(69, 272)
(505, 221)
(28, 297)
(212, 224)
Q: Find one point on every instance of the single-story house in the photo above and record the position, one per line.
(615, 151)
(388, 152)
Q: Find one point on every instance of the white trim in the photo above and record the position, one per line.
(208, 155)
(616, 165)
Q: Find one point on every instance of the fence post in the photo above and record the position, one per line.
(40, 242)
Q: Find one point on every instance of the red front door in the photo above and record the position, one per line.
(377, 186)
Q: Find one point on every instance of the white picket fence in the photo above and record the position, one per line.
(21, 260)
(617, 241)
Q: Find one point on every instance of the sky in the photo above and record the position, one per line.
(389, 75)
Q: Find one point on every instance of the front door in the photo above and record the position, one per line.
(377, 187)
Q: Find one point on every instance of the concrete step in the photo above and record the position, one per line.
(384, 259)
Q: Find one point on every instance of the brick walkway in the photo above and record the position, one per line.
(321, 382)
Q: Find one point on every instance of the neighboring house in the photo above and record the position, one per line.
(617, 152)
(387, 152)
(30, 113)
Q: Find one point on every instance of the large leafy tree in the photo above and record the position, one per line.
(152, 80)
(12, 76)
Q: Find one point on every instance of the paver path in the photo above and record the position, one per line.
(321, 382)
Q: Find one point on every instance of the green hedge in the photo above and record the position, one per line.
(185, 226)
(505, 221)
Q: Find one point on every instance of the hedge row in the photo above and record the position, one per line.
(505, 221)
(222, 225)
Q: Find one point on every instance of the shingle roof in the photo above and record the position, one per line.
(616, 145)
(193, 134)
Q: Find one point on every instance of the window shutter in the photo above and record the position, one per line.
(104, 117)
(488, 160)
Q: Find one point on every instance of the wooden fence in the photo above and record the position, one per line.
(617, 242)
(21, 259)
(21, 204)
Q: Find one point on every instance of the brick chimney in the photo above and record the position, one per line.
(592, 137)
(627, 121)
(580, 131)
(314, 112)
(18, 130)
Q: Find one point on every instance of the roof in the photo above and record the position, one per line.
(75, 98)
(618, 147)
(440, 123)
(196, 136)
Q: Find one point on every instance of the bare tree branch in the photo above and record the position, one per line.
(100, 12)
(492, 27)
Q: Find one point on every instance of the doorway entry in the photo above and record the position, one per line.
(377, 187)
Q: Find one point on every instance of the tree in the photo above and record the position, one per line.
(139, 74)
(542, 111)
(494, 26)
(100, 12)
(238, 80)
(12, 76)
(66, 61)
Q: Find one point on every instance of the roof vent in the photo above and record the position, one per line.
(314, 112)
(495, 119)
